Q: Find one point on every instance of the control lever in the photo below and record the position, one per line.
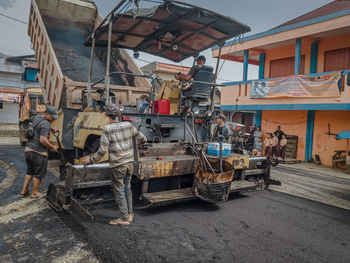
(221, 140)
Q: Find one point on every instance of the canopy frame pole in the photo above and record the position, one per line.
(218, 64)
(107, 78)
(347, 157)
(89, 98)
(106, 18)
(212, 94)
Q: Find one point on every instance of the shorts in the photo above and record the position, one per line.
(36, 164)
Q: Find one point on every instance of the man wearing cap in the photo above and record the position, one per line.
(36, 151)
(221, 128)
(193, 71)
(117, 138)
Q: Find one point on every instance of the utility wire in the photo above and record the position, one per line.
(223, 63)
(15, 19)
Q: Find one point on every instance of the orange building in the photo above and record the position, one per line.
(303, 80)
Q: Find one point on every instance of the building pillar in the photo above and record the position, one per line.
(314, 58)
(245, 65)
(261, 65)
(297, 56)
(258, 118)
(309, 135)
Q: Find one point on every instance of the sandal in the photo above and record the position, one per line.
(24, 195)
(119, 221)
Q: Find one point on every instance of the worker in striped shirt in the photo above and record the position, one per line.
(117, 138)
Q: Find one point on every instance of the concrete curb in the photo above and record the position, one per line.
(317, 170)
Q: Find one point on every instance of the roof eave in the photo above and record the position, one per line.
(288, 27)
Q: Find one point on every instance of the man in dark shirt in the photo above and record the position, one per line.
(279, 133)
(36, 151)
(193, 71)
(221, 129)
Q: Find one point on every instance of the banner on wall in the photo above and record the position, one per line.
(300, 86)
(9, 97)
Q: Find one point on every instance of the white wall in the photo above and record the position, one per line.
(9, 112)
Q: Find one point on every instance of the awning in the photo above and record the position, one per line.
(10, 90)
(343, 135)
(173, 30)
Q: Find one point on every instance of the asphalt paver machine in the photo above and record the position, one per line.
(173, 166)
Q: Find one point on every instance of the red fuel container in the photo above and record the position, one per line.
(162, 106)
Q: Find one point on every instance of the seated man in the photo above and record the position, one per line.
(197, 92)
(193, 71)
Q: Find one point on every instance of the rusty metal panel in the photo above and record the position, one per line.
(214, 187)
(173, 165)
(239, 161)
(160, 149)
(217, 178)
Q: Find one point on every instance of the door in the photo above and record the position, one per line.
(292, 146)
(338, 59)
(285, 67)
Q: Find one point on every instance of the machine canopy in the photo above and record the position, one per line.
(173, 30)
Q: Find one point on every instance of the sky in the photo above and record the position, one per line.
(260, 15)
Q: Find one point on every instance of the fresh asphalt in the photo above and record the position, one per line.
(260, 226)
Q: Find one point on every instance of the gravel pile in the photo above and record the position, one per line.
(9, 130)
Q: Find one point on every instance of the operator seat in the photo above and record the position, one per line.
(200, 92)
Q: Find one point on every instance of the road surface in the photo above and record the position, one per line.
(261, 226)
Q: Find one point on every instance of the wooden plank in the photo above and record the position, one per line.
(165, 197)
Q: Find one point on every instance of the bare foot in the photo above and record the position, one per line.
(131, 217)
(37, 195)
(119, 221)
(23, 195)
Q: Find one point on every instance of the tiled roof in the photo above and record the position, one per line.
(333, 7)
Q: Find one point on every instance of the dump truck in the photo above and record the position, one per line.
(173, 166)
(57, 29)
(31, 103)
